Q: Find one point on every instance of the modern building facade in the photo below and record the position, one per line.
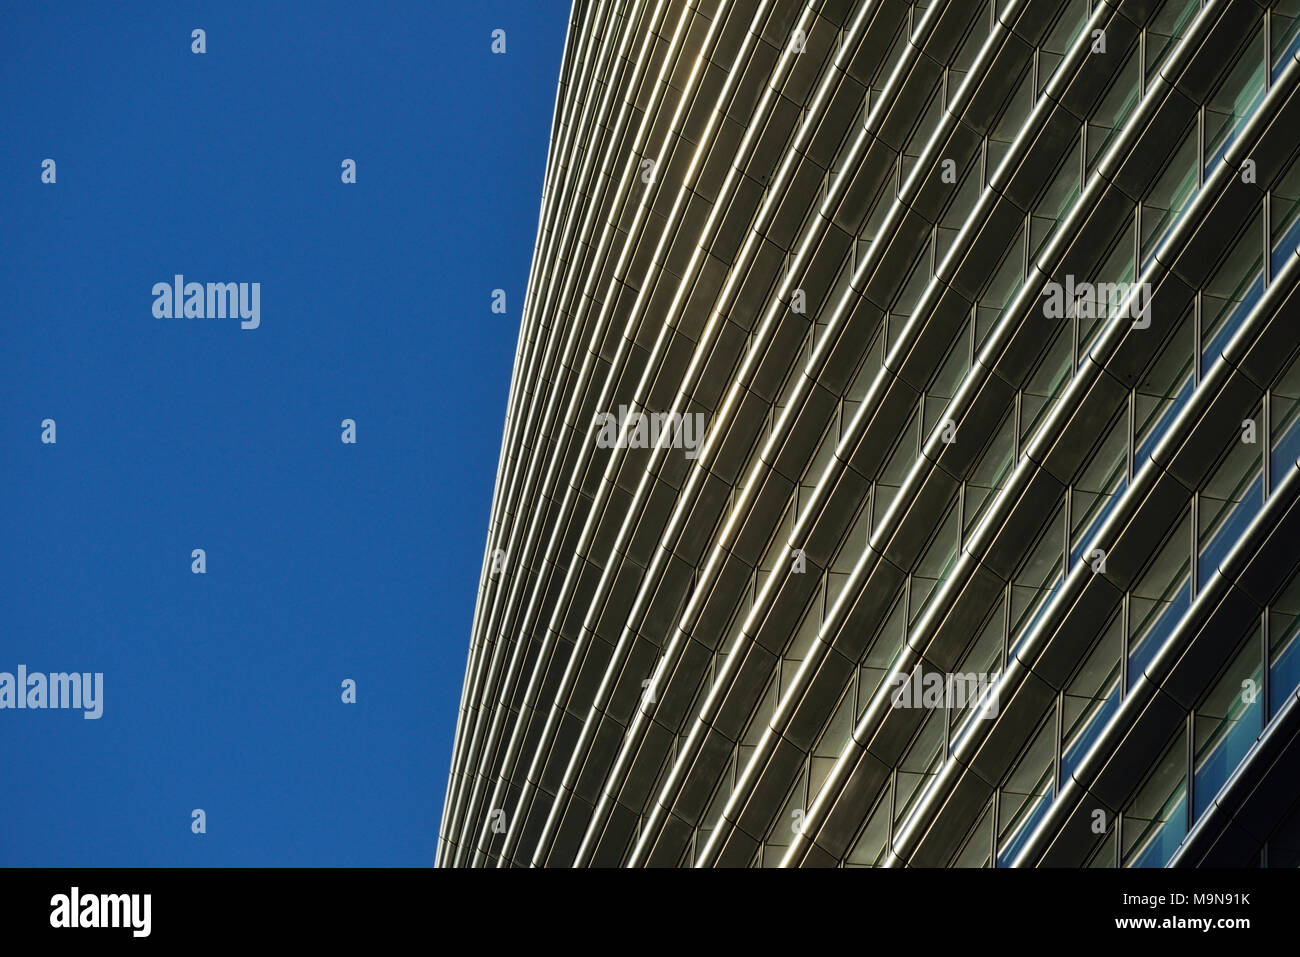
(900, 465)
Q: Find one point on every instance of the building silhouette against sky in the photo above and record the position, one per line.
(988, 553)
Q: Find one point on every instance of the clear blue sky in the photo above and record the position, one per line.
(325, 561)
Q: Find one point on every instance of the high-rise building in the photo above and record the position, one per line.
(900, 466)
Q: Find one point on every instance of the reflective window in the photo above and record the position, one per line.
(1228, 721)
(1236, 97)
(1155, 821)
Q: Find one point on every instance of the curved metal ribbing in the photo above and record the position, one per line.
(652, 581)
(1214, 403)
(525, 355)
(613, 490)
(1222, 407)
(627, 469)
(769, 362)
(909, 367)
(781, 460)
(793, 697)
(851, 769)
(838, 261)
(539, 317)
(1251, 573)
(579, 365)
(636, 323)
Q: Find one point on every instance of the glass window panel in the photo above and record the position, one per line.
(878, 210)
(802, 640)
(1056, 202)
(1006, 282)
(923, 130)
(950, 375)
(937, 560)
(896, 468)
(1160, 597)
(1170, 194)
(1166, 27)
(1284, 646)
(967, 194)
(1092, 694)
(1041, 569)
(1232, 291)
(873, 359)
(990, 473)
(778, 549)
(834, 736)
(1227, 722)
(1059, 40)
(1099, 484)
(1284, 413)
(1284, 202)
(869, 848)
(1164, 388)
(720, 798)
(887, 63)
(1104, 855)
(757, 725)
(1231, 498)
(821, 458)
(984, 657)
(1018, 107)
(1155, 821)
(839, 290)
(1114, 108)
(976, 851)
(881, 654)
(781, 833)
(1027, 789)
(850, 550)
(969, 50)
(911, 293)
(1048, 379)
(920, 764)
(1284, 31)
(1107, 292)
(1284, 843)
(1235, 98)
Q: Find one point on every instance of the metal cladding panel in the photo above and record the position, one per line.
(795, 430)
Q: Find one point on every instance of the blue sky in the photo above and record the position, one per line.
(325, 561)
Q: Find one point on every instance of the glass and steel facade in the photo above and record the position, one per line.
(835, 232)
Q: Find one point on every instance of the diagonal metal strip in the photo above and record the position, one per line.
(1063, 410)
(532, 309)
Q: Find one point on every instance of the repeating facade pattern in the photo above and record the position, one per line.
(987, 314)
